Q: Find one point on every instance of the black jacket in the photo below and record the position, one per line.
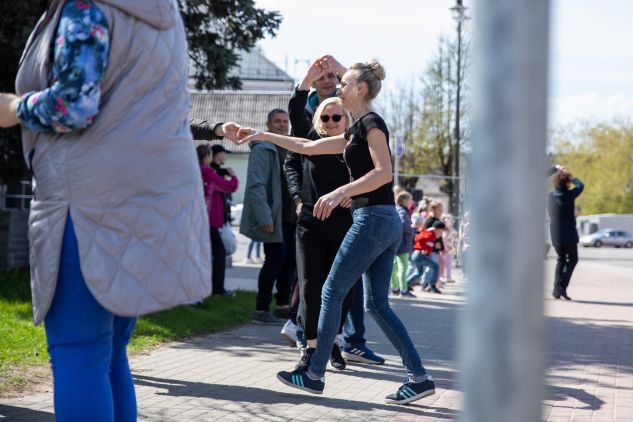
(201, 129)
(310, 177)
(561, 208)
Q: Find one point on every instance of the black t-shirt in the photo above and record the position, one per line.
(359, 160)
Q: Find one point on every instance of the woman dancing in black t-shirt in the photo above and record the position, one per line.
(371, 242)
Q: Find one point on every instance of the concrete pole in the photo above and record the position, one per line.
(502, 332)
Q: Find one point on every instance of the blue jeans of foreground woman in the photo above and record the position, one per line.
(368, 250)
(87, 346)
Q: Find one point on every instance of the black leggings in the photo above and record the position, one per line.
(218, 267)
(317, 245)
(567, 260)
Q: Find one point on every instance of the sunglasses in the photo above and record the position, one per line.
(335, 118)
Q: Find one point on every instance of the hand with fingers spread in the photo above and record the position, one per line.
(326, 204)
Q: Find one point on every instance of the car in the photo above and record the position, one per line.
(608, 237)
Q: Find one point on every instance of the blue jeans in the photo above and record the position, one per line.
(254, 245)
(354, 328)
(424, 266)
(87, 346)
(368, 250)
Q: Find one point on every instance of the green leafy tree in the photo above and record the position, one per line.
(601, 155)
(426, 116)
(216, 31)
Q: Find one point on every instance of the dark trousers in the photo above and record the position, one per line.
(317, 246)
(219, 262)
(280, 267)
(567, 260)
(294, 303)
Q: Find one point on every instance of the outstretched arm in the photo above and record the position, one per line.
(331, 145)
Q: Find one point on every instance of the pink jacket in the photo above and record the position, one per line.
(214, 186)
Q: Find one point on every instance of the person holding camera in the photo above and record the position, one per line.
(561, 209)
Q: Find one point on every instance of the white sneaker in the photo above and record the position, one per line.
(340, 340)
(249, 261)
(289, 331)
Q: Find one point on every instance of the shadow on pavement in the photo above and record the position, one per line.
(586, 343)
(267, 398)
(590, 302)
(558, 393)
(17, 414)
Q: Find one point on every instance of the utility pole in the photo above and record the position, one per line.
(502, 343)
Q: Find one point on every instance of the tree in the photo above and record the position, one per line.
(427, 117)
(401, 111)
(601, 155)
(216, 30)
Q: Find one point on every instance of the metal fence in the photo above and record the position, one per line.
(19, 198)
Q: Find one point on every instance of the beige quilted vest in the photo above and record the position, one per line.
(131, 180)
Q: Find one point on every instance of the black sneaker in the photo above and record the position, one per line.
(281, 313)
(266, 317)
(435, 290)
(306, 355)
(336, 359)
(301, 380)
(412, 391)
(425, 285)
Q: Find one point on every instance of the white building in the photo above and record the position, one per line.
(588, 224)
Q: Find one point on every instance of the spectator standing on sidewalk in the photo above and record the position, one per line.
(561, 206)
(117, 190)
(450, 239)
(399, 284)
(265, 219)
(218, 158)
(214, 188)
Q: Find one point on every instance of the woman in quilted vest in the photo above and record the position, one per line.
(118, 208)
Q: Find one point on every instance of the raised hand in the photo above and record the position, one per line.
(315, 71)
(331, 64)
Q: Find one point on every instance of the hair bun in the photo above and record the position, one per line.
(377, 69)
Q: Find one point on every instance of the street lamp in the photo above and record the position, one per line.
(459, 14)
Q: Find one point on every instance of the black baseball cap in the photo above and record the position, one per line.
(218, 148)
(439, 225)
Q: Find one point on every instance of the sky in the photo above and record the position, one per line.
(591, 54)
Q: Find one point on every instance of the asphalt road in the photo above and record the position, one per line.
(619, 257)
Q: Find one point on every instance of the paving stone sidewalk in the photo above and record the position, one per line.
(230, 376)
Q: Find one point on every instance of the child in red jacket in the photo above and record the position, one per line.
(427, 242)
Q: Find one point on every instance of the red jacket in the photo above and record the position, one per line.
(425, 241)
(214, 186)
